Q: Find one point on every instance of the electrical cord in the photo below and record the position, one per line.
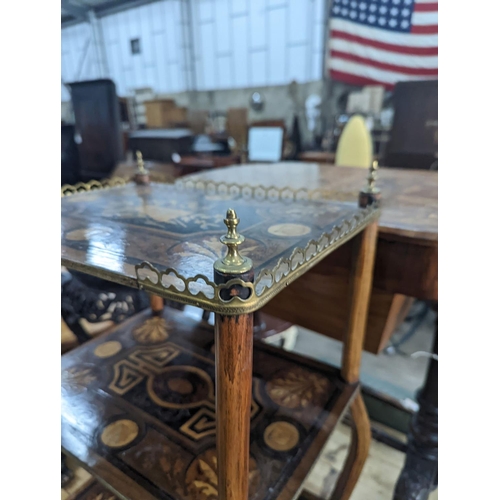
(394, 347)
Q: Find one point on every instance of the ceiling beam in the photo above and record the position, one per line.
(77, 11)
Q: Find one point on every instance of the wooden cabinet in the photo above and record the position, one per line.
(163, 113)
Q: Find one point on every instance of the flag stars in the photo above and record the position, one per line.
(396, 2)
(354, 5)
(373, 7)
(408, 2)
(353, 14)
(344, 12)
(382, 21)
(383, 10)
(405, 12)
(405, 24)
(336, 9)
(362, 6)
(393, 23)
(362, 16)
(394, 11)
(371, 18)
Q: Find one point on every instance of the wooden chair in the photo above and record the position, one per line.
(355, 148)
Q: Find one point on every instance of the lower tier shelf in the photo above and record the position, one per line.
(138, 411)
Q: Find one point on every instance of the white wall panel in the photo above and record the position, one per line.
(222, 22)
(239, 7)
(258, 24)
(207, 56)
(298, 21)
(277, 47)
(258, 68)
(236, 43)
(240, 51)
(225, 72)
(297, 63)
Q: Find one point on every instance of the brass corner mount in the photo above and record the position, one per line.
(372, 177)
(370, 194)
(233, 262)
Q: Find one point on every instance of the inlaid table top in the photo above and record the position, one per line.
(409, 206)
(138, 411)
(165, 238)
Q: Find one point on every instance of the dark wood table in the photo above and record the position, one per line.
(190, 164)
(160, 144)
(406, 264)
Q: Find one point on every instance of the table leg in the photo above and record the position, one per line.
(419, 475)
(233, 395)
(358, 450)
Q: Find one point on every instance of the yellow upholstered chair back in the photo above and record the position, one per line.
(355, 147)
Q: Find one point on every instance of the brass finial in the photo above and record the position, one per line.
(233, 262)
(370, 194)
(141, 176)
(140, 163)
(372, 177)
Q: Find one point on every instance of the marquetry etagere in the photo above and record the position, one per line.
(164, 407)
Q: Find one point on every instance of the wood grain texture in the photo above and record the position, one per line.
(409, 197)
(158, 171)
(407, 247)
(361, 286)
(233, 361)
(358, 451)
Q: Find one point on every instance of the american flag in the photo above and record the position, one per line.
(383, 41)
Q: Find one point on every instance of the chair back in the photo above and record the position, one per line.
(355, 147)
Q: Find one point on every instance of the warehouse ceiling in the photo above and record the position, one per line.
(76, 11)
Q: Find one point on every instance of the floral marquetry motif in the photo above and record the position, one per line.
(201, 477)
(152, 331)
(77, 378)
(296, 388)
(148, 411)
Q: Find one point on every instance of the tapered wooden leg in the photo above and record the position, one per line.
(157, 304)
(233, 394)
(361, 284)
(358, 451)
(361, 288)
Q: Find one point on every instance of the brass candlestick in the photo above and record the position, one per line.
(142, 173)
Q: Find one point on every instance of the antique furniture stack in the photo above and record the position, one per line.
(163, 407)
(98, 129)
(406, 265)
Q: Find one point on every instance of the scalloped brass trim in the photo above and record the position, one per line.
(268, 283)
(257, 192)
(68, 189)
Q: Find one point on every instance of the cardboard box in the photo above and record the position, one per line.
(157, 112)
